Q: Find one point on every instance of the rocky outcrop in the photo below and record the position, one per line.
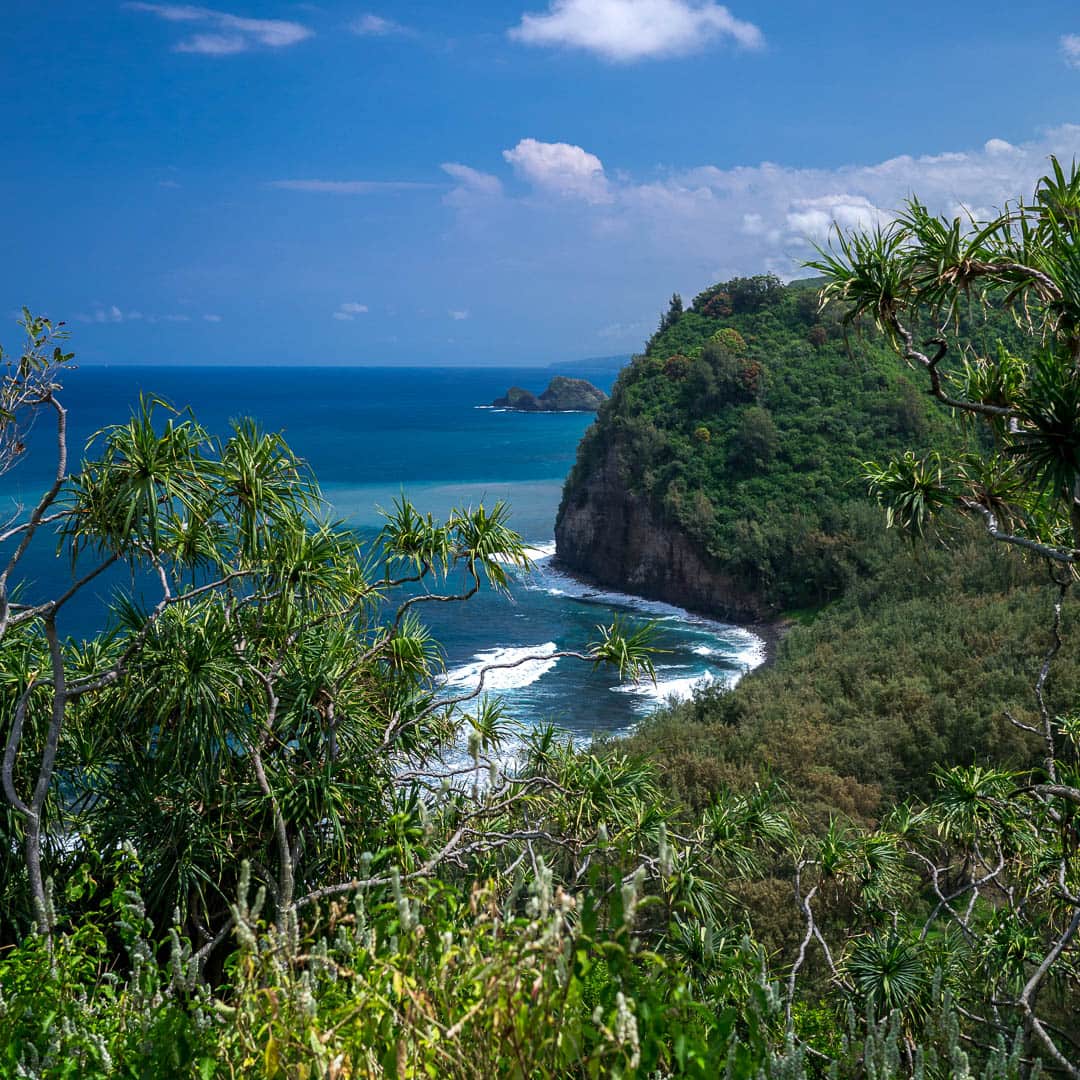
(562, 395)
(609, 534)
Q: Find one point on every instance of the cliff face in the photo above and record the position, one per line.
(612, 536)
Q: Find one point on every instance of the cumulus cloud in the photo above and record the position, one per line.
(348, 311)
(376, 26)
(348, 187)
(212, 318)
(579, 225)
(624, 31)
(1070, 49)
(458, 316)
(223, 34)
(814, 218)
(560, 169)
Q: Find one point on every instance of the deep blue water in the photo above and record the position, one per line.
(371, 433)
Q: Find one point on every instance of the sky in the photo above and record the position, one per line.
(482, 182)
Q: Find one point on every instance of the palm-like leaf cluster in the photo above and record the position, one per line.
(921, 268)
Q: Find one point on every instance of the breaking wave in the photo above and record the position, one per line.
(531, 662)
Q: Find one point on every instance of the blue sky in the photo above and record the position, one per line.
(481, 182)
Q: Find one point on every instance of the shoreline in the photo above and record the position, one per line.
(770, 632)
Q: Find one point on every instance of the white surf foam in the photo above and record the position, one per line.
(558, 582)
(741, 649)
(525, 673)
(540, 552)
(730, 653)
(666, 689)
(742, 644)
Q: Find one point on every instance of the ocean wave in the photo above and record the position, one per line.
(558, 582)
(680, 688)
(527, 671)
(540, 552)
(728, 653)
(743, 650)
(677, 688)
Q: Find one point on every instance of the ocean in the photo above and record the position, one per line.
(371, 434)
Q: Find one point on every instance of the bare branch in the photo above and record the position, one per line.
(39, 511)
(1030, 992)
(1060, 555)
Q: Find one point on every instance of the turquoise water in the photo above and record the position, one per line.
(372, 433)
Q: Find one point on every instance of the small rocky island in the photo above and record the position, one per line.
(562, 395)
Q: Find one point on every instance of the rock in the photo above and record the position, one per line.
(522, 400)
(610, 535)
(572, 395)
(562, 395)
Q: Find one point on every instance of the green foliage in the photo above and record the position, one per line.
(773, 498)
(866, 698)
(922, 269)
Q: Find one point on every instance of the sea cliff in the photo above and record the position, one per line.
(611, 535)
(724, 473)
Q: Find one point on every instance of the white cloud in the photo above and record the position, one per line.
(628, 241)
(226, 34)
(472, 188)
(472, 179)
(627, 30)
(348, 311)
(348, 187)
(212, 318)
(813, 218)
(1070, 49)
(458, 316)
(213, 44)
(376, 26)
(112, 314)
(560, 169)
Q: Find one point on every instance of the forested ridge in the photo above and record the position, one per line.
(233, 837)
(743, 426)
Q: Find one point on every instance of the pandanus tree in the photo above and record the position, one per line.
(265, 698)
(1007, 839)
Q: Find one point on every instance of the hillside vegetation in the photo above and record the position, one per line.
(743, 426)
(867, 701)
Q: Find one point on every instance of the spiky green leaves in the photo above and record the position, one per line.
(889, 974)
(630, 652)
(913, 490)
